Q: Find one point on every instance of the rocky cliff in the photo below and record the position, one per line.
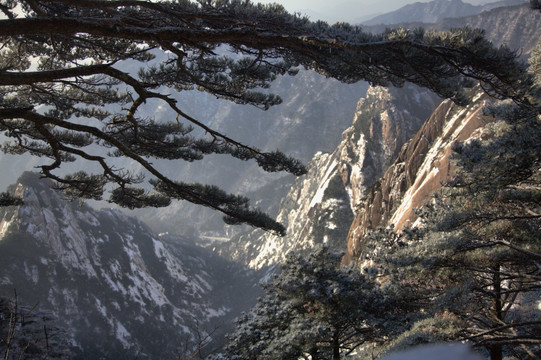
(423, 164)
(420, 169)
(320, 206)
(116, 288)
(371, 149)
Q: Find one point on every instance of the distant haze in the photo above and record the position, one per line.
(347, 10)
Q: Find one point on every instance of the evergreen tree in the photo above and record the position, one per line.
(64, 92)
(28, 333)
(312, 308)
(477, 258)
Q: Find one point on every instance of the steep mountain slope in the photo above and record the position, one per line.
(118, 290)
(514, 26)
(435, 11)
(421, 168)
(320, 206)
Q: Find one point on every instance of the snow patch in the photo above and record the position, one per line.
(122, 335)
(330, 226)
(101, 308)
(318, 197)
(4, 226)
(212, 313)
(437, 352)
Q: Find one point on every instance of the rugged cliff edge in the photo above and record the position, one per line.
(320, 206)
(421, 168)
(314, 209)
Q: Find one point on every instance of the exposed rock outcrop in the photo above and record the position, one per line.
(421, 168)
(320, 206)
(383, 121)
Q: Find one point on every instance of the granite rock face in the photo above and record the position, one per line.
(320, 206)
(420, 169)
(384, 121)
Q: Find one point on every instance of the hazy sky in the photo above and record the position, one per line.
(347, 10)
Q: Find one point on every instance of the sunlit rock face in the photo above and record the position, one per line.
(321, 205)
(384, 121)
(423, 164)
(115, 288)
(420, 169)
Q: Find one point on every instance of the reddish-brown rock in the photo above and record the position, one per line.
(420, 169)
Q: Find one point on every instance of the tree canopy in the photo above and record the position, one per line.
(65, 93)
(313, 309)
(475, 262)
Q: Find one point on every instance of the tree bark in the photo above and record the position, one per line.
(496, 350)
(336, 347)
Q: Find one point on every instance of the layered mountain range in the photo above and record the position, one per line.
(516, 27)
(436, 11)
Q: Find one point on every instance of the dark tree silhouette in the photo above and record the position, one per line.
(65, 93)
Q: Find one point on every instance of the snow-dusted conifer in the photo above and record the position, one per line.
(312, 308)
(477, 261)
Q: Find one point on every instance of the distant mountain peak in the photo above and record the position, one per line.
(435, 11)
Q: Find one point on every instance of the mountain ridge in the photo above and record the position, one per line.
(435, 11)
(112, 284)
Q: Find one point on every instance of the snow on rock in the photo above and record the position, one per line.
(421, 167)
(320, 206)
(116, 287)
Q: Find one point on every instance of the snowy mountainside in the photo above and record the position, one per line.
(516, 27)
(320, 206)
(437, 10)
(119, 290)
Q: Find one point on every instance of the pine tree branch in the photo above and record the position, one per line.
(527, 252)
(184, 192)
(33, 77)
